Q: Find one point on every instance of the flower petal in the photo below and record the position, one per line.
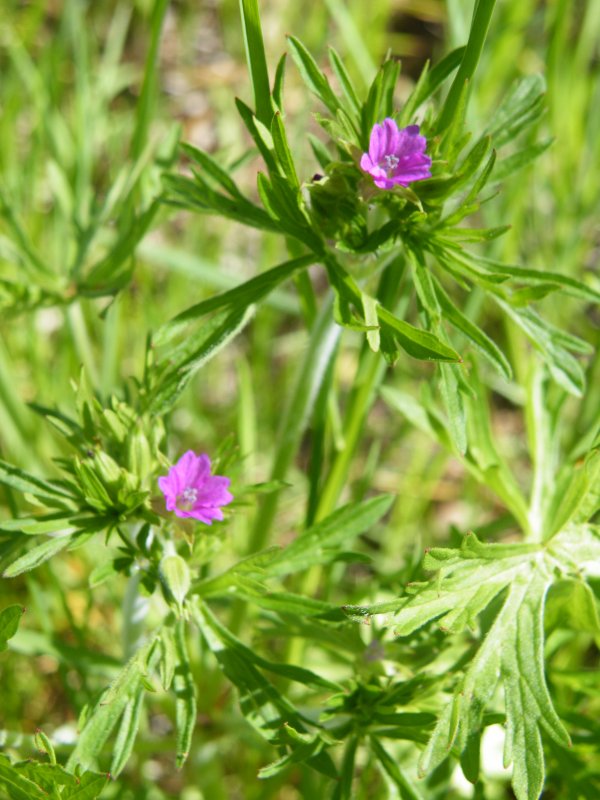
(393, 137)
(207, 514)
(377, 143)
(193, 472)
(185, 468)
(214, 493)
(200, 471)
(365, 163)
(385, 183)
(410, 141)
(165, 484)
(406, 144)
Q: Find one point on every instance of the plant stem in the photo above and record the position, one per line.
(370, 374)
(479, 28)
(322, 345)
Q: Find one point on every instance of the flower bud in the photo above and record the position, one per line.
(106, 468)
(175, 578)
(139, 458)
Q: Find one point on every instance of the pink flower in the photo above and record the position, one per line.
(191, 491)
(396, 156)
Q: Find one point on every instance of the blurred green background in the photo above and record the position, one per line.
(81, 114)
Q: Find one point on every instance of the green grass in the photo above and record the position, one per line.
(94, 98)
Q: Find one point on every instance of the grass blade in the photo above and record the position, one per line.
(257, 62)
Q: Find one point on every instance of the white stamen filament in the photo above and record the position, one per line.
(391, 162)
(188, 497)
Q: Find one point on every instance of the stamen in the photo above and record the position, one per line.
(187, 499)
(391, 162)
(190, 495)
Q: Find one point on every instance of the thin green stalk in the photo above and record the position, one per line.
(322, 345)
(479, 28)
(257, 62)
(84, 107)
(371, 371)
(110, 347)
(15, 430)
(370, 374)
(354, 41)
(81, 339)
(145, 107)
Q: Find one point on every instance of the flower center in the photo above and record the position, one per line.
(187, 498)
(391, 162)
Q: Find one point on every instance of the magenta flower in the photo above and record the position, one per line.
(191, 491)
(396, 156)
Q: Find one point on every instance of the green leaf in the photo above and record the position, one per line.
(262, 705)
(320, 152)
(423, 280)
(185, 693)
(249, 293)
(256, 130)
(289, 671)
(479, 27)
(345, 81)
(453, 403)
(522, 158)
(52, 494)
(473, 160)
(343, 790)
(568, 285)
(482, 458)
(417, 343)
(286, 603)
(182, 363)
(199, 196)
(571, 604)
(472, 234)
(102, 572)
(253, 565)
(89, 787)
(9, 623)
(144, 106)
(168, 657)
(369, 305)
(283, 202)
(282, 150)
(175, 577)
(37, 555)
(278, 83)
(428, 82)
(32, 780)
(312, 76)
(216, 172)
(475, 335)
(16, 785)
(407, 789)
(257, 62)
(112, 272)
(304, 747)
(380, 100)
(553, 344)
(111, 707)
(511, 652)
(44, 745)
(522, 106)
(575, 485)
(320, 543)
(128, 729)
